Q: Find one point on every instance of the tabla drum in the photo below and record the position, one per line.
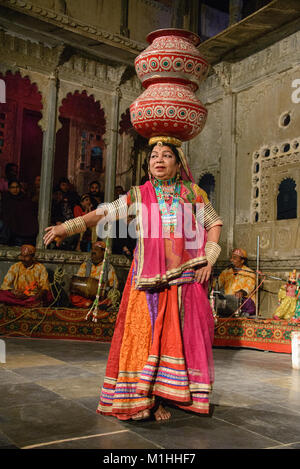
(84, 286)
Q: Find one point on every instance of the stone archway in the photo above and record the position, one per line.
(80, 143)
(21, 138)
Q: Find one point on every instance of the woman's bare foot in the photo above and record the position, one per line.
(142, 415)
(161, 413)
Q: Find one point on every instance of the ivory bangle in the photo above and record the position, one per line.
(212, 251)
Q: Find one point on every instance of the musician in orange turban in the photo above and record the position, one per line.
(238, 279)
(26, 282)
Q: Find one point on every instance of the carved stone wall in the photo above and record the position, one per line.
(252, 100)
(270, 167)
(151, 15)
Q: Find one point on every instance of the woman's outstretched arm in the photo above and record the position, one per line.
(58, 233)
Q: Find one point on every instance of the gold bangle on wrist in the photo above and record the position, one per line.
(212, 251)
(74, 226)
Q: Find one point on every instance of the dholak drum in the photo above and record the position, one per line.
(226, 305)
(84, 286)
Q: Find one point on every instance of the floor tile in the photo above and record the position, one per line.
(124, 440)
(24, 393)
(289, 446)
(10, 377)
(201, 433)
(39, 373)
(78, 356)
(90, 403)
(49, 391)
(73, 388)
(273, 422)
(20, 360)
(60, 419)
(6, 443)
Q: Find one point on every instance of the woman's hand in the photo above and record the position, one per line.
(202, 275)
(55, 233)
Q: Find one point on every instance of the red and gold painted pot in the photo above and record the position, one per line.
(170, 69)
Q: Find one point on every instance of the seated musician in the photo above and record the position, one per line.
(92, 269)
(238, 279)
(26, 282)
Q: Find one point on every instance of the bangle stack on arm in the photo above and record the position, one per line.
(74, 226)
(212, 251)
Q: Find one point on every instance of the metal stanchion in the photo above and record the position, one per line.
(257, 270)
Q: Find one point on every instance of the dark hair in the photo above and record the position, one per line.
(13, 181)
(85, 196)
(95, 182)
(63, 179)
(172, 147)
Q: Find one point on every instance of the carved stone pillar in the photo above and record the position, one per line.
(48, 156)
(228, 172)
(228, 160)
(112, 150)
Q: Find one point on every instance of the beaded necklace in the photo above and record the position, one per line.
(166, 189)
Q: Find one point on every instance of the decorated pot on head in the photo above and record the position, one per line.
(170, 69)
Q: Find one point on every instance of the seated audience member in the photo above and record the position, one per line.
(95, 193)
(92, 269)
(119, 191)
(84, 207)
(24, 187)
(70, 197)
(238, 276)
(26, 282)
(63, 205)
(85, 240)
(19, 216)
(11, 173)
(122, 242)
(35, 192)
(56, 211)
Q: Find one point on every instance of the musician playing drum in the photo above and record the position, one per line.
(92, 269)
(238, 279)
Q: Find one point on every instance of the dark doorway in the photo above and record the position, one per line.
(31, 146)
(287, 200)
(62, 150)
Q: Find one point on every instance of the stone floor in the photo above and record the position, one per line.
(49, 391)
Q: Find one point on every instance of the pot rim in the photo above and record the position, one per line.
(189, 35)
